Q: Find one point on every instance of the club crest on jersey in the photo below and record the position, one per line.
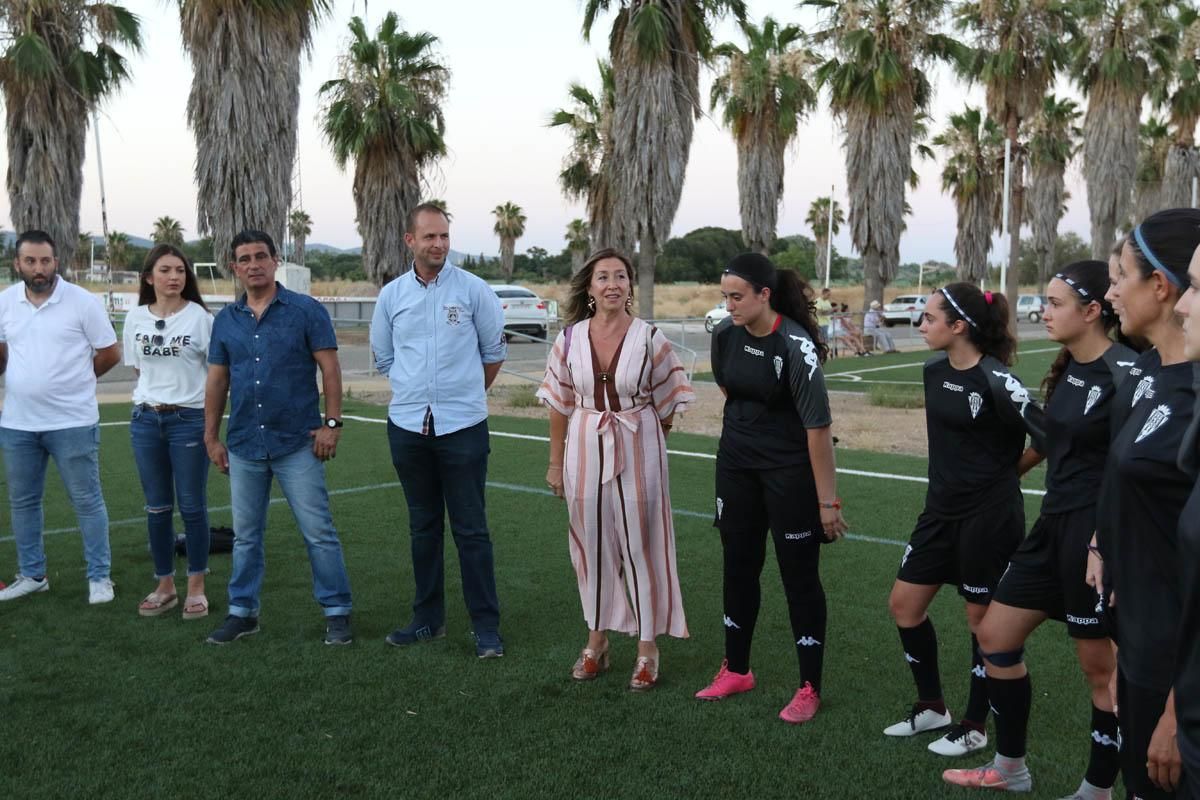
(810, 353)
(975, 401)
(778, 367)
(1158, 417)
(1145, 388)
(453, 314)
(1093, 396)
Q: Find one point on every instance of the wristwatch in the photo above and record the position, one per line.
(332, 422)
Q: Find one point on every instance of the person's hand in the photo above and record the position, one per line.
(833, 524)
(325, 442)
(554, 480)
(218, 455)
(1094, 575)
(1162, 757)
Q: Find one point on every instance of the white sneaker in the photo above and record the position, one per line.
(22, 586)
(100, 592)
(918, 722)
(959, 741)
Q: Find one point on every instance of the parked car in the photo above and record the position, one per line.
(905, 310)
(524, 311)
(713, 318)
(1031, 307)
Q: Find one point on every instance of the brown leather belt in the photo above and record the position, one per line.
(164, 409)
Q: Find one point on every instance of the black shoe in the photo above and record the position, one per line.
(488, 644)
(415, 632)
(337, 630)
(233, 629)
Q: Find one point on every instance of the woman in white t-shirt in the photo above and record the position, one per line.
(166, 341)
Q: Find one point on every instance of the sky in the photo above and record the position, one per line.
(509, 71)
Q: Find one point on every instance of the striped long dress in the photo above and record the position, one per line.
(622, 539)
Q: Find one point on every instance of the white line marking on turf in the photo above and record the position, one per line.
(852, 373)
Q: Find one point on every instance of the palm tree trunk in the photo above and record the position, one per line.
(507, 247)
(1177, 177)
(1016, 214)
(386, 185)
(822, 244)
(646, 259)
(1110, 148)
(760, 183)
(578, 258)
(299, 247)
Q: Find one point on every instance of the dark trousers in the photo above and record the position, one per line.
(440, 475)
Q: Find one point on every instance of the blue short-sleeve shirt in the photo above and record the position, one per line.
(274, 401)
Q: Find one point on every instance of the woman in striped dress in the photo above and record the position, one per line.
(613, 385)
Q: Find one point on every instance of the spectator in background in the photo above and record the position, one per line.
(876, 326)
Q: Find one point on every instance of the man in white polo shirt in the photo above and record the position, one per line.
(55, 340)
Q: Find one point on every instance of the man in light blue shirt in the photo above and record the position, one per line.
(438, 335)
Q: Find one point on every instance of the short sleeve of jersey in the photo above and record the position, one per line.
(719, 334)
(805, 378)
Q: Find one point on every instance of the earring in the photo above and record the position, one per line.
(591, 304)
(629, 303)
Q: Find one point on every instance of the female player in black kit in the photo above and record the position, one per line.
(775, 468)
(1046, 576)
(1140, 548)
(974, 516)
(1187, 673)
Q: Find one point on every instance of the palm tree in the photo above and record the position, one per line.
(578, 242)
(116, 251)
(818, 222)
(299, 227)
(81, 259)
(167, 230)
(656, 48)
(1182, 101)
(441, 204)
(585, 166)
(973, 145)
(1020, 44)
(385, 113)
(1053, 135)
(1154, 142)
(242, 109)
(765, 91)
(60, 60)
(877, 87)
(1119, 43)
(510, 226)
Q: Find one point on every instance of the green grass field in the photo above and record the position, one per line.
(100, 703)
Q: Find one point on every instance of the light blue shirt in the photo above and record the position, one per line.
(431, 340)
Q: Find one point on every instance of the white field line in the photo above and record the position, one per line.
(853, 374)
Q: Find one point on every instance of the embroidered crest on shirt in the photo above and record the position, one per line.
(1093, 396)
(778, 367)
(453, 314)
(1016, 392)
(810, 353)
(975, 400)
(1145, 388)
(720, 507)
(1158, 417)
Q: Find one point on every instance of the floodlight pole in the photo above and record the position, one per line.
(829, 240)
(1004, 215)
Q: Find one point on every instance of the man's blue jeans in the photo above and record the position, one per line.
(443, 474)
(76, 453)
(173, 465)
(301, 476)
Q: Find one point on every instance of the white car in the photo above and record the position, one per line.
(906, 309)
(713, 318)
(524, 312)
(1031, 306)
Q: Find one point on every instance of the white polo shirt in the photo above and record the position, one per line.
(50, 383)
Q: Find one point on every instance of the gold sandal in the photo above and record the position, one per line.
(590, 664)
(645, 674)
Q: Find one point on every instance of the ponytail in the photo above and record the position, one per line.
(987, 317)
(789, 298)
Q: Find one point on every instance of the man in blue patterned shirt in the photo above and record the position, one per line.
(264, 353)
(438, 335)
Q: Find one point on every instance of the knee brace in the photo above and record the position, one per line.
(1009, 658)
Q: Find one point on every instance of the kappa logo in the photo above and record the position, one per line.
(754, 351)
(907, 551)
(1092, 397)
(975, 589)
(778, 367)
(797, 536)
(720, 507)
(1016, 392)
(954, 387)
(975, 401)
(453, 314)
(1082, 620)
(731, 624)
(1128, 364)
(1158, 417)
(1099, 603)
(979, 671)
(910, 659)
(810, 353)
(1071, 379)
(807, 641)
(1145, 388)
(1104, 740)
